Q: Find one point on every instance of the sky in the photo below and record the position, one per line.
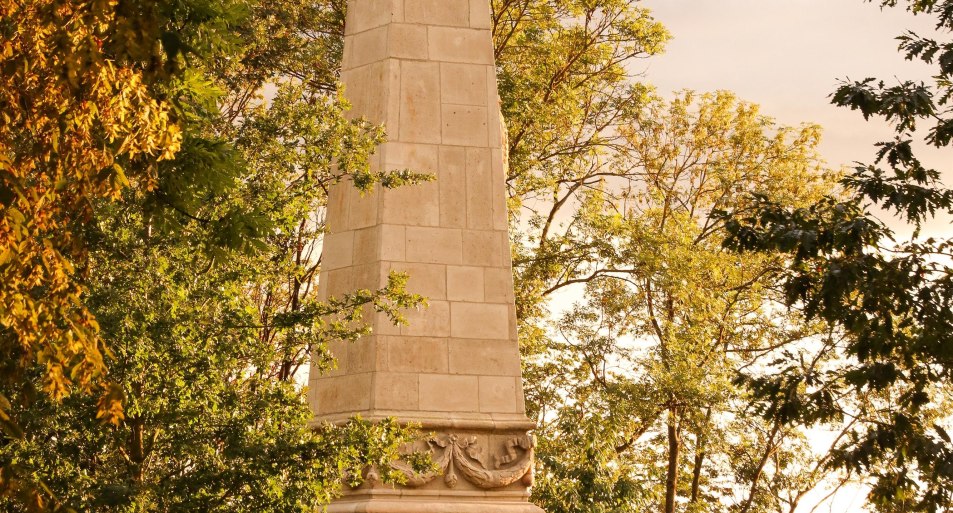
(788, 56)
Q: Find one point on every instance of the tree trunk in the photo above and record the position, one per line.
(137, 453)
(700, 444)
(768, 451)
(697, 472)
(287, 366)
(674, 447)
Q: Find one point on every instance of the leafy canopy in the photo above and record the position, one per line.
(199, 270)
(80, 121)
(890, 377)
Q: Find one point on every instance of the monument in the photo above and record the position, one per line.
(425, 69)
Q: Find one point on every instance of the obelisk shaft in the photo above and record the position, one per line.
(425, 70)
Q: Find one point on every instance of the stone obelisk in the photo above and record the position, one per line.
(425, 70)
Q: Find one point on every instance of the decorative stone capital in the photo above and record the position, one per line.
(472, 458)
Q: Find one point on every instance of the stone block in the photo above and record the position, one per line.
(443, 392)
(417, 204)
(367, 276)
(367, 14)
(434, 245)
(339, 351)
(416, 354)
(347, 393)
(498, 285)
(479, 320)
(479, 189)
(520, 397)
(311, 394)
(363, 208)
(419, 102)
(408, 41)
(362, 87)
(451, 44)
(420, 158)
(465, 283)
(428, 280)
(369, 46)
(393, 242)
(367, 247)
(453, 13)
(484, 357)
(480, 14)
(498, 394)
(483, 248)
(391, 96)
(452, 183)
(430, 321)
(347, 53)
(494, 120)
(464, 125)
(383, 325)
(394, 391)
(337, 210)
(338, 282)
(500, 212)
(363, 355)
(463, 84)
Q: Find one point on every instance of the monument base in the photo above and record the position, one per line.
(475, 471)
(406, 505)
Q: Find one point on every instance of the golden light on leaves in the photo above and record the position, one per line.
(76, 126)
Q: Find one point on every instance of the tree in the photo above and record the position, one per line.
(565, 88)
(570, 109)
(643, 413)
(208, 426)
(80, 120)
(201, 284)
(889, 377)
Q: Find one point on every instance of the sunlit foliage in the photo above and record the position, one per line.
(889, 379)
(189, 245)
(78, 124)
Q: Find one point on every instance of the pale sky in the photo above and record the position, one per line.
(787, 56)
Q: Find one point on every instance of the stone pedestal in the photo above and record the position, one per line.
(425, 69)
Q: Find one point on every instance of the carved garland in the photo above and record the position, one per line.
(452, 453)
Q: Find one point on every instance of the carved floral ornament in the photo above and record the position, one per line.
(454, 454)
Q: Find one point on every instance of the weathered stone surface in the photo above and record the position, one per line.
(424, 68)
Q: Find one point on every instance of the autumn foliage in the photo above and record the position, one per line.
(77, 125)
